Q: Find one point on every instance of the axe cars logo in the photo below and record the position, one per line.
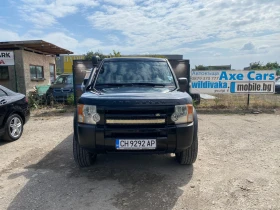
(2, 62)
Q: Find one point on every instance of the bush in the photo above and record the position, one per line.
(70, 100)
(33, 101)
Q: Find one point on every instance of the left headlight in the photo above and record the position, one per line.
(183, 114)
(87, 114)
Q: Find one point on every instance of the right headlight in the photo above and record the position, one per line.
(87, 114)
(183, 114)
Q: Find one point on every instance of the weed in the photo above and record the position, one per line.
(70, 100)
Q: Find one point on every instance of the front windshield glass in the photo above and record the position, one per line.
(131, 72)
(277, 81)
(64, 79)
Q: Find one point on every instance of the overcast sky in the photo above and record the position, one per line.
(214, 32)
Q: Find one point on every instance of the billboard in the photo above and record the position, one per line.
(7, 58)
(230, 82)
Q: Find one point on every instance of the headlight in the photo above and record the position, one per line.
(183, 114)
(87, 114)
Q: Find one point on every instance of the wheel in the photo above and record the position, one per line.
(14, 128)
(188, 156)
(82, 157)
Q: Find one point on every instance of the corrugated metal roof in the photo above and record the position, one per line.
(38, 46)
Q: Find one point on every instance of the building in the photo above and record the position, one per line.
(64, 62)
(25, 64)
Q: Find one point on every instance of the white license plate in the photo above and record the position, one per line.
(136, 144)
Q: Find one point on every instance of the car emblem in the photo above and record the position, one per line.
(157, 115)
(61, 89)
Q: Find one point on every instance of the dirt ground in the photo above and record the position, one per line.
(238, 167)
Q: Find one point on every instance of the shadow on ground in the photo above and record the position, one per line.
(114, 182)
(3, 142)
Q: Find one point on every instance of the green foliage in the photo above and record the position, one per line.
(58, 71)
(201, 67)
(115, 54)
(70, 99)
(269, 66)
(33, 100)
(90, 54)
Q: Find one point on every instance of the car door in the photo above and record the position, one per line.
(3, 106)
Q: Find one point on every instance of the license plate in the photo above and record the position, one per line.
(136, 144)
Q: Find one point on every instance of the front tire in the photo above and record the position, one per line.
(14, 128)
(82, 157)
(189, 155)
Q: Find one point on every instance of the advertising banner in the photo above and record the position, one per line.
(231, 81)
(7, 58)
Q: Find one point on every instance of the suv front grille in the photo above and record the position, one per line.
(135, 121)
(136, 117)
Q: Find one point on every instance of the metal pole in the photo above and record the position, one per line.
(74, 83)
(248, 101)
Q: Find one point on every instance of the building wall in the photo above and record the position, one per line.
(19, 79)
(30, 58)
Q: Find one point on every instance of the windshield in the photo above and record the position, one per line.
(64, 79)
(139, 72)
(277, 81)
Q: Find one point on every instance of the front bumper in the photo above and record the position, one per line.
(100, 139)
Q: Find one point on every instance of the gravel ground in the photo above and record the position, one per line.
(238, 167)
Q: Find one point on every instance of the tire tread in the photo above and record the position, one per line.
(82, 157)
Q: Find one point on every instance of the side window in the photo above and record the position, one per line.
(2, 93)
(36, 72)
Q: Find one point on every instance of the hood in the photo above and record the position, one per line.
(130, 97)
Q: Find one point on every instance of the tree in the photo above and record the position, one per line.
(200, 67)
(90, 54)
(269, 66)
(256, 66)
(115, 54)
(274, 65)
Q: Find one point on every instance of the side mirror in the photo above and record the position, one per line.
(95, 60)
(183, 83)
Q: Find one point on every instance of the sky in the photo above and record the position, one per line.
(216, 32)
